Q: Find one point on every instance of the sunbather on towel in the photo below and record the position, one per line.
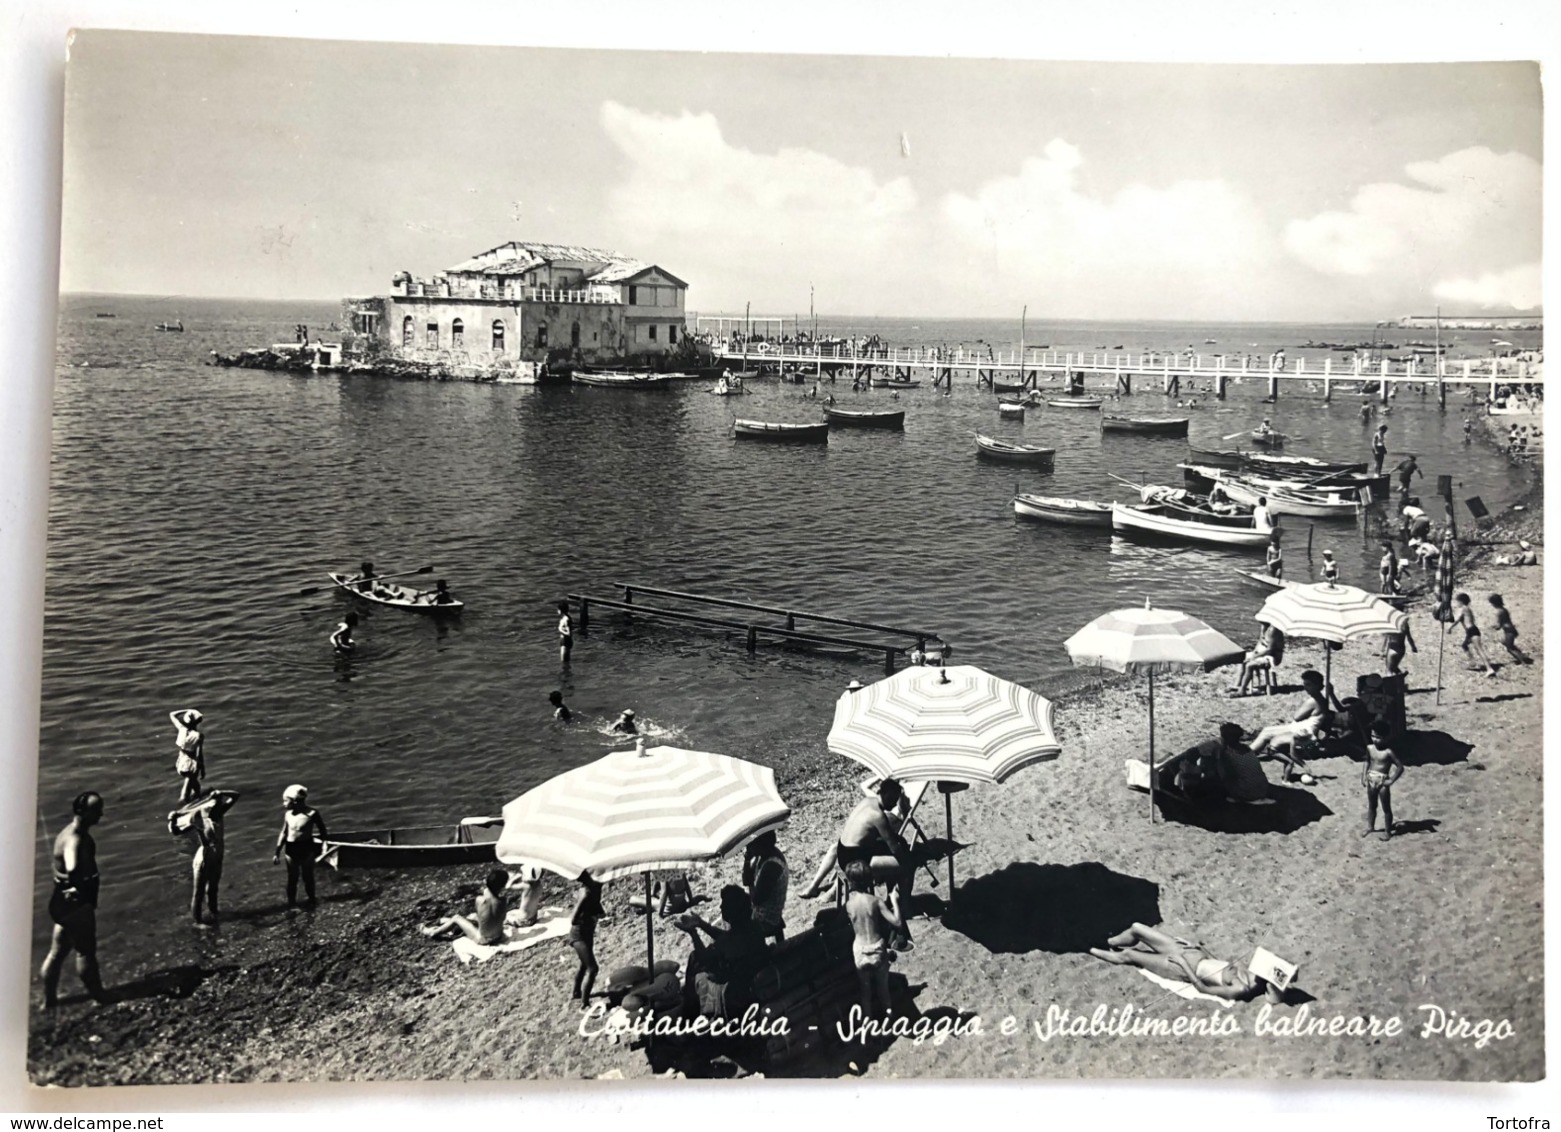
(491, 907)
(1173, 958)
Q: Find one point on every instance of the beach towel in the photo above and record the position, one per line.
(552, 923)
(1184, 990)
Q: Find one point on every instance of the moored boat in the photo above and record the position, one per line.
(782, 432)
(1290, 500)
(1009, 386)
(1075, 402)
(1268, 439)
(1149, 518)
(994, 449)
(1297, 463)
(866, 418)
(1214, 457)
(1149, 426)
(1055, 509)
(1010, 408)
(472, 842)
(1269, 582)
(892, 383)
(622, 379)
(382, 592)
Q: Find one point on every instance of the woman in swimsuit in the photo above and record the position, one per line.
(1173, 958)
(191, 745)
(582, 935)
(297, 839)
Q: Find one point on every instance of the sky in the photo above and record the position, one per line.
(289, 169)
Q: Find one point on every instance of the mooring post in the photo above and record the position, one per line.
(1384, 383)
(753, 640)
(888, 662)
(1311, 529)
(585, 614)
(1327, 380)
(1273, 384)
(791, 622)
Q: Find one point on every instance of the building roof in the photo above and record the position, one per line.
(631, 270)
(518, 255)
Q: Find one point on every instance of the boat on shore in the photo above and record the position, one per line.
(472, 842)
(1148, 426)
(1056, 509)
(399, 596)
(782, 432)
(1269, 582)
(172, 327)
(866, 418)
(993, 449)
(622, 379)
(1075, 402)
(1154, 519)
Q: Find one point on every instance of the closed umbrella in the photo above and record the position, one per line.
(1151, 641)
(1445, 567)
(947, 724)
(1330, 613)
(640, 811)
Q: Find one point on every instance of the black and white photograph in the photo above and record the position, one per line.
(601, 564)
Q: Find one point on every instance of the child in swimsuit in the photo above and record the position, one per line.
(1471, 643)
(582, 935)
(297, 840)
(1275, 556)
(1509, 632)
(874, 920)
(1383, 768)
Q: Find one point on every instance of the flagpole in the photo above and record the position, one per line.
(1151, 746)
(1441, 648)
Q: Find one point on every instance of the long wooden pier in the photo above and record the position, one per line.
(913, 640)
(1025, 369)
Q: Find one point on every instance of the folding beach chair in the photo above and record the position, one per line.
(908, 828)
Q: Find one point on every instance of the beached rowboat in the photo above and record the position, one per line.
(402, 597)
(866, 418)
(1151, 519)
(1075, 402)
(1055, 509)
(1269, 582)
(781, 432)
(471, 842)
(994, 449)
(1151, 426)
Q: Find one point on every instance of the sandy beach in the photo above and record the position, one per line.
(1446, 915)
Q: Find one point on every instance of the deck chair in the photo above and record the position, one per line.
(908, 828)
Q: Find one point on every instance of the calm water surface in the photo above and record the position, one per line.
(190, 504)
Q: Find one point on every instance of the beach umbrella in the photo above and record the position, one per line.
(1330, 613)
(955, 724)
(1445, 567)
(641, 811)
(1151, 641)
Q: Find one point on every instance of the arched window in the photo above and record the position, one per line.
(432, 336)
(498, 336)
(406, 331)
(574, 335)
(457, 334)
(542, 335)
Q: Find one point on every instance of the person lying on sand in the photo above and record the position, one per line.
(1173, 958)
(491, 908)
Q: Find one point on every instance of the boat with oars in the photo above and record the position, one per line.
(1146, 426)
(990, 448)
(1268, 438)
(472, 842)
(1214, 457)
(782, 432)
(1286, 498)
(1075, 402)
(383, 592)
(1156, 520)
(865, 418)
(622, 379)
(892, 383)
(1056, 509)
(1268, 462)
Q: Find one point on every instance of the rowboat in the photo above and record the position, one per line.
(175, 327)
(729, 391)
(1288, 498)
(1297, 464)
(1152, 426)
(994, 449)
(402, 597)
(1010, 408)
(619, 379)
(1214, 458)
(1268, 439)
(866, 418)
(892, 383)
(1054, 509)
(1009, 386)
(781, 432)
(1183, 504)
(1075, 402)
(1149, 518)
(472, 842)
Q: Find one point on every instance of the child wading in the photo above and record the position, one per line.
(1382, 770)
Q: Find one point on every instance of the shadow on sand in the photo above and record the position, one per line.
(1027, 906)
(171, 982)
(1292, 809)
(1433, 748)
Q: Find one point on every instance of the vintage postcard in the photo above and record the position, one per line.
(604, 564)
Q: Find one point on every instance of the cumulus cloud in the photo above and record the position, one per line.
(1517, 288)
(1470, 210)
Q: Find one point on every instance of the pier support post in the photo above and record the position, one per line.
(1273, 384)
(1327, 380)
(1173, 384)
(753, 640)
(1125, 384)
(1383, 384)
(1219, 386)
(888, 662)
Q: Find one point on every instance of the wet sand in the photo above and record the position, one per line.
(1447, 913)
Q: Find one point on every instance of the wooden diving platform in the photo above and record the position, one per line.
(900, 642)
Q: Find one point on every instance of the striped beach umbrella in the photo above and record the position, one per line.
(954, 725)
(1330, 613)
(1151, 641)
(640, 811)
(1446, 567)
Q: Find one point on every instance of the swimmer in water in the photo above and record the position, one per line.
(341, 639)
(624, 724)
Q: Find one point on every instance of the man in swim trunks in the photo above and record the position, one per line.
(205, 822)
(869, 836)
(874, 922)
(1471, 644)
(1379, 445)
(73, 904)
(297, 839)
(1316, 713)
(1383, 768)
(492, 905)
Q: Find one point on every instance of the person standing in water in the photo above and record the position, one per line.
(205, 823)
(566, 633)
(341, 639)
(73, 906)
(297, 839)
(1275, 555)
(1379, 447)
(191, 745)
